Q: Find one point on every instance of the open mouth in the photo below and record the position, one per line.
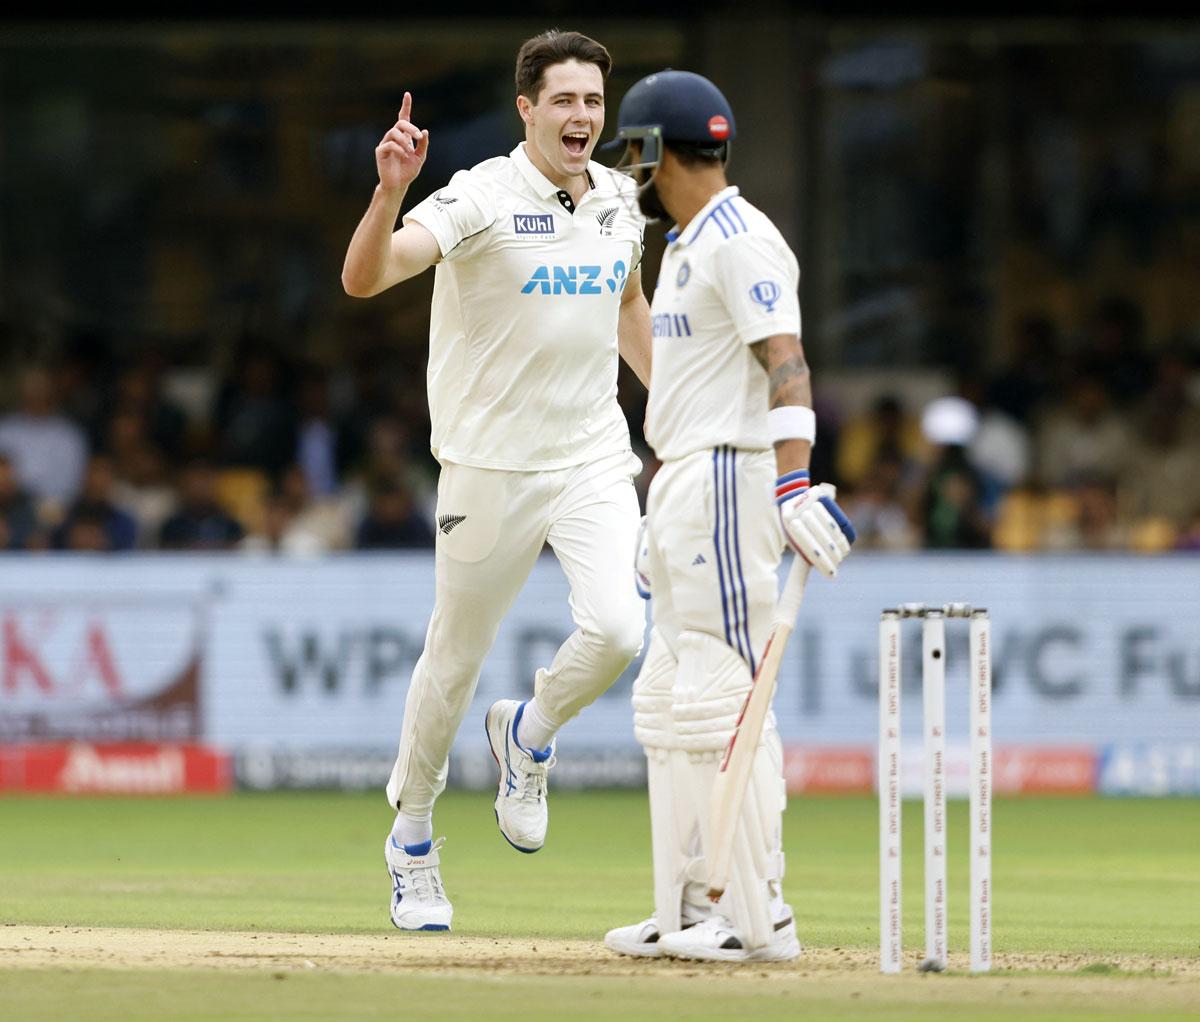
(575, 142)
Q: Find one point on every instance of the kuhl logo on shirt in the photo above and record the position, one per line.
(537, 224)
(766, 293)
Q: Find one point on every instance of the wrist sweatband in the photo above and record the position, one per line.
(792, 422)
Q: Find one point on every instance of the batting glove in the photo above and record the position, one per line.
(813, 524)
(641, 560)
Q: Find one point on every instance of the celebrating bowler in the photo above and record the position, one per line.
(537, 289)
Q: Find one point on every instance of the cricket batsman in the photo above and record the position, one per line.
(730, 417)
(537, 288)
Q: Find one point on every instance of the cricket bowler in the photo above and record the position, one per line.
(537, 290)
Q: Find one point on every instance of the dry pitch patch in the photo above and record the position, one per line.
(352, 975)
(824, 980)
(44, 947)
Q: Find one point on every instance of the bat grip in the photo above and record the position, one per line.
(793, 593)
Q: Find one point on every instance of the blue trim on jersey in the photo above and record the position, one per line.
(732, 208)
(717, 541)
(716, 220)
(726, 216)
(721, 215)
(737, 549)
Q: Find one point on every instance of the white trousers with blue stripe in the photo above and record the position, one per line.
(715, 547)
(715, 544)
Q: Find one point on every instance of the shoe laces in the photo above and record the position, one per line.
(427, 885)
(531, 777)
(426, 881)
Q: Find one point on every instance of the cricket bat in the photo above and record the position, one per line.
(729, 789)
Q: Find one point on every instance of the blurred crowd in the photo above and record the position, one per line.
(1084, 442)
(269, 459)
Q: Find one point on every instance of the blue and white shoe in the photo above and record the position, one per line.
(521, 808)
(419, 901)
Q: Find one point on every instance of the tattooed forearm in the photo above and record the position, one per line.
(782, 359)
(789, 383)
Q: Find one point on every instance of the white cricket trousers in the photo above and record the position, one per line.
(715, 542)
(492, 526)
(715, 547)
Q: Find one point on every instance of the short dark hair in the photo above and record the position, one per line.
(555, 47)
(693, 155)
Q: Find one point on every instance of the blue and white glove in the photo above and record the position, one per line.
(641, 560)
(813, 524)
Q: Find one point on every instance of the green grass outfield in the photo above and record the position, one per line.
(1114, 884)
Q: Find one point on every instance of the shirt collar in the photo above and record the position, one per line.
(697, 222)
(542, 186)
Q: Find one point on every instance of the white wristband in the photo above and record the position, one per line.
(792, 422)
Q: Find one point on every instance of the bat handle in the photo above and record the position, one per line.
(793, 593)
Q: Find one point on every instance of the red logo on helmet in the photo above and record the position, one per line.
(718, 127)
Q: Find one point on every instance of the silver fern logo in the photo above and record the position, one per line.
(447, 523)
(607, 218)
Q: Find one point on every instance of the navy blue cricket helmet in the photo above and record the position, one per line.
(675, 106)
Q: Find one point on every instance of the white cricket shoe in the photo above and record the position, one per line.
(419, 901)
(641, 940)
(521, 808)
(715, 940)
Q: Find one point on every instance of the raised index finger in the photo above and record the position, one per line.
(406, 106)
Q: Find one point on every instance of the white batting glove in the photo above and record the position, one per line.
(641, 560)
(813, 524)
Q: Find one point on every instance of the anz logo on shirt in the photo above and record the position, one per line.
(575, 280)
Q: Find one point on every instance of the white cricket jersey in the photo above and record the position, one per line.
(727, 280)
(523, 331)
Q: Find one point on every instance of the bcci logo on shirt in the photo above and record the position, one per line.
(534, 225)
(766, 293)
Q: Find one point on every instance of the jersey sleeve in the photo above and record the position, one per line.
(757, 279)
(628, 190)
(639, 246)
(455, 214)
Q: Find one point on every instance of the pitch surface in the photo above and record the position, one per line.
(272, 906)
